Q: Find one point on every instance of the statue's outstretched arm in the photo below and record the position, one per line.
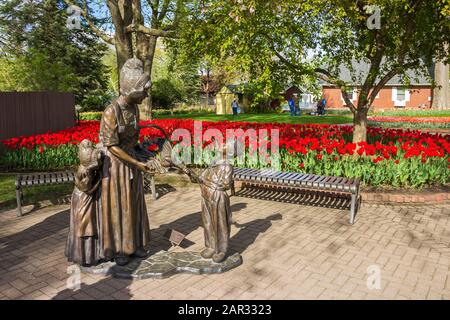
(122, 155)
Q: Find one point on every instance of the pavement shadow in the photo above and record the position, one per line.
(186, 225)
(28, 237)
(250, 231)
(119, 288)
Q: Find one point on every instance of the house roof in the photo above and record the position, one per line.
(235, 88)
(361, 69)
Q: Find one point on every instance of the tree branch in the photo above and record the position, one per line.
(92, 26)
(163, 12)
(327, 77)
(150, 31)
(388, 76)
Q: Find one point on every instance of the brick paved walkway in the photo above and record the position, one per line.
(290, 251)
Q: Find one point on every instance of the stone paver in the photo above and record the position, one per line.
(289, 251)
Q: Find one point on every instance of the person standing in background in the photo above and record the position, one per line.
(322, 106)
(296, 105)
(291, 104)
(234, 107)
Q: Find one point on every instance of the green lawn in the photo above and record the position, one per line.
(265, 117)
(414, 113)
(332, 118)
(31, 195)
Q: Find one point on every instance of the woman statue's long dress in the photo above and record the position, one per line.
(125, 225)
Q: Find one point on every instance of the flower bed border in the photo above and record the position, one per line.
(405, 198)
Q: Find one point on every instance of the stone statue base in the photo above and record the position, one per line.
(165, 264)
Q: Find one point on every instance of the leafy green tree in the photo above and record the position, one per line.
(41, 54)
(166, 92)
(315, 38)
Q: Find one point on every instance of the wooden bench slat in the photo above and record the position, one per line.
(251, 175)
(238, 171)
(242, 174)
(289, 177)
(304, 179)
(279, 177)
(340, 183)
(301, 177)
(320, 183)
(331, 183)
(348, 184)
(292, 179)
(265, 174)
(315, 181)
(312, 178)
(273, 177)
(298, 178)
(35, 179)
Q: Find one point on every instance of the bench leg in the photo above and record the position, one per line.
(233, 190)
(353, 208)
(19, 201)
(153, 187)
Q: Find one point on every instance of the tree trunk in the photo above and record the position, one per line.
(121, 16)
(360, 125)
(123, 53)
(148, 66)
(441, 93)
(207, 99)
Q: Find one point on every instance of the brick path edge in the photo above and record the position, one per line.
(424, 197)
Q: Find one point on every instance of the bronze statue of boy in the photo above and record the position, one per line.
(216, 211)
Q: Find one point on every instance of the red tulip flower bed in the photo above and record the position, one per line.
(394, 157)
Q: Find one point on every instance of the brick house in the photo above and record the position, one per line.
(393, 95)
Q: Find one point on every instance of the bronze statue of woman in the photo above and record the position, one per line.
(125, 225)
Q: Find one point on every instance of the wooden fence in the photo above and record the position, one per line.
(30, 113)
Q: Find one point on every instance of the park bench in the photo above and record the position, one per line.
(301, 181)
(49, 178)
(35, 179)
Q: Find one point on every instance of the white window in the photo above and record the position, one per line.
(352, 94)
(400, 96)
